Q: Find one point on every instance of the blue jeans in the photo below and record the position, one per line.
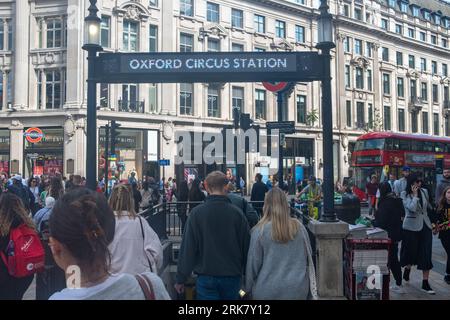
(218, 288)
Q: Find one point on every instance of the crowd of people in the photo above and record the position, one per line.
(405, 208)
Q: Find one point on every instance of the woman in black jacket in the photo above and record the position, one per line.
(196, 194)
(389, 217)
(443, 227)
(182, 198)
(12, 215)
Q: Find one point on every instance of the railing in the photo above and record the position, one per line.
(131, 106)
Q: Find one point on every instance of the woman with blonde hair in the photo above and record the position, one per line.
(136, 247)
(279, 262)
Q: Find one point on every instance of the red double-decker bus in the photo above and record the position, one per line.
(378, 150)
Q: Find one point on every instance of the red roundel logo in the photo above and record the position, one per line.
(34, 135)
(275, 86)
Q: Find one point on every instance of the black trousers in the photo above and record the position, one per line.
(14, 288)
(417, 248)
(445, 239)
(394, 263)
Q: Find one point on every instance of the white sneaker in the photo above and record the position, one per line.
(397, 289)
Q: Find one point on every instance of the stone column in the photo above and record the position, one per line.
(168, 100)
(22, 26)
(378, 102)
(75, 55)
(329, 258)
(17, 144)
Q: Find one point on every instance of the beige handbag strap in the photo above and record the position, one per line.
(311, 269)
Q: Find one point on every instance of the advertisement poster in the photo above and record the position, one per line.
(362, 290)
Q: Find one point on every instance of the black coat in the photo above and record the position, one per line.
(389, 216)
(259, 191)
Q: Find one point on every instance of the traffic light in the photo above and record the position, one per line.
(114, 135)
(245, 120)
(236, 113)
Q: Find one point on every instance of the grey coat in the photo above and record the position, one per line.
(415, 214)
(275, 270)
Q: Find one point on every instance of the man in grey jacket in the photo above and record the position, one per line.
(445, 182)
(400, 184)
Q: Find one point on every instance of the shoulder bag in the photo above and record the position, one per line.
(146, 286)
(143, 244)
(311, 269)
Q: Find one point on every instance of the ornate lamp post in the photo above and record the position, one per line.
(92, 46)
(325, 44)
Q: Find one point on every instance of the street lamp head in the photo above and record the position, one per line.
(92, 28)
(325, 27)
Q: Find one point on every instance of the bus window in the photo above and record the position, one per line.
(418, 146)
(389, 144)
(395, 144)
(439, 147)
(375, 144)
(404, 145)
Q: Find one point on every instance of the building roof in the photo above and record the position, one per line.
(433, 5)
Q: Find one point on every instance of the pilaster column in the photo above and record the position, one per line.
(22, 26)
(378, 101)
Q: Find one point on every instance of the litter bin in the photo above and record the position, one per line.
(349, 209)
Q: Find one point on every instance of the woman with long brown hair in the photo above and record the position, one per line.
(136, 247)
(12, 215)
(443, 227)
(279, 262)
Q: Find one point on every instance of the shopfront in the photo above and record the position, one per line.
(134, 152)
(4, 151)
(45, 157)
(299, 159)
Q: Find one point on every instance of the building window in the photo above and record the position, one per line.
(444, 43)
(435, 93)
(186, 98)
(444, 69)
(300, 34)
(398, 29)
(349, 113)
(212, 12)
(411, 33)
(213, 45)
(5, 103)
(385, 54)
(2, 36)
(436, 130)
(423, 36)
(238, 98)
(360, 122)
(446, 94)
(399, 58)
(368, 49)
(358, 46)
(369, 80)
(370, 111)
(301, 109)
(414, 125)
(186, 42)
(130, 36)
(129, 101)
(237, 18)
(153, 3)
(425, 122)
(386, 84)
(260, 104)
(104, 95)
(280, 29)
(412, 62)
(433, 39)
(153, 38)
(359, 78)
(187, 8)
(236, 47)
(415, 11)
(153, 98)
(213, 102)
(447, 127)
(347, 44)
(260, 23)
(105, 31)
(358, 14)
(413, 88)
(434, 67)
(423, 64)
(53, 87)
(404, 7)
(384, 24)
(400, 87)
(54, 33)
(424, 91)
(347, 77)
(401, 120)
(257, 49)
(346, 10)
(387, 118)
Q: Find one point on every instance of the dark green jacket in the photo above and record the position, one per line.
(248, 210)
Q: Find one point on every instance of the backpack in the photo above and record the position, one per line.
(24, 253)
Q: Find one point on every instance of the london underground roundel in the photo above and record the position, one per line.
(34, 135)
(275, 86)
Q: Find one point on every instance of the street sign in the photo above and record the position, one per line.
(286, 127)
(191, 67)
(33, 135)
(275, 86)
(32, 156)
(164, 162)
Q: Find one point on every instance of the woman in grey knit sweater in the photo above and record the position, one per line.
(277, 263)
